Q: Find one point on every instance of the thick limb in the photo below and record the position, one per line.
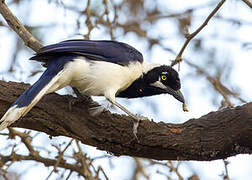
(136, 119)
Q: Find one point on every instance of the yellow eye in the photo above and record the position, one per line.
(163, 77)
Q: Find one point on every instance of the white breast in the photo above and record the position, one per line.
(95, 78)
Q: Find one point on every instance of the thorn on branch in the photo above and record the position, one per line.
(187, 34)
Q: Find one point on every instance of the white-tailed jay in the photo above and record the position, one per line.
(96, 68)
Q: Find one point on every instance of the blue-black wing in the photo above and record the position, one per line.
(101, 50)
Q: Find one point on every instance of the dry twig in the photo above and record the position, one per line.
(248, 3)
(218, 86)
(7, 160)
(189, 37)
(15, 24)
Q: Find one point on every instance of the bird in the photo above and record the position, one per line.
(96, 68)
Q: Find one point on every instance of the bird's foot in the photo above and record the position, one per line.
(80, 99)
(136, 122)
(97, 110)
(73, 102)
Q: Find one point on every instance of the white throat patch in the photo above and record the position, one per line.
(159, 84)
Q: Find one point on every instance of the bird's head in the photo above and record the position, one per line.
(163, 79)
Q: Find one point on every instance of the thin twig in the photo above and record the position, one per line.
(46, 161)
(84, 165)
(217, 85)
(15, 24)
(248, 3)
(70, 173)
(26, 139)
(103, 172)
(49, 175)
(174, 169)
(140, 169)
(226, 176)
(61, 154)
(192, 35)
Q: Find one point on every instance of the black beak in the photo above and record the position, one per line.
(176, 94)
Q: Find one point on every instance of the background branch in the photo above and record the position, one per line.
(15, 24)
(189, 36)
(248, 3)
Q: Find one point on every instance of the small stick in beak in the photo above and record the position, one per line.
(185, 108)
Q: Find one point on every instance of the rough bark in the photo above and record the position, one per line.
(216, 135)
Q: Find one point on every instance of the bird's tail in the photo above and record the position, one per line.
(48, 82)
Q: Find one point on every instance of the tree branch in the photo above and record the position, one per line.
(14, 23)
(189, 37)
(38, 158)
(248, 3)
(216, 135)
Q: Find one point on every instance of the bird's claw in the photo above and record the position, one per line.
(97, 110)
(136, 122)
(135, 126)
(79, 99)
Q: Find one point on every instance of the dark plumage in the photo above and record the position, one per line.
(109, 51)
(142, 87)
(54, 67)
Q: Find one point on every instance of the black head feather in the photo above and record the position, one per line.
(142, 86)
(171, 76)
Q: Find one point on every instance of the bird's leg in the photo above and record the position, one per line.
(136, 119)
(80, 98)
(79, 95)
